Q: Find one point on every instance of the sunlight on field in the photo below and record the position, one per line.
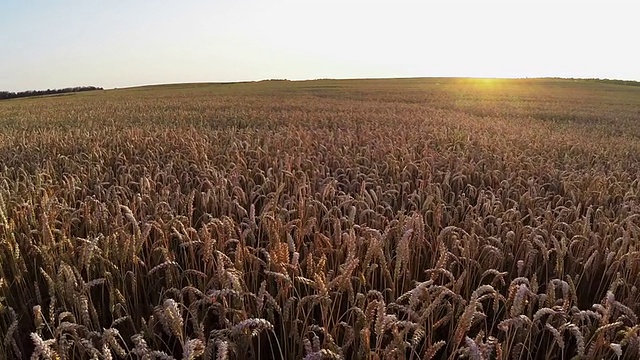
(487, 84)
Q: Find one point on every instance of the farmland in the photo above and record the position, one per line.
(381, 219)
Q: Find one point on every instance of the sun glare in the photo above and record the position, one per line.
(485, 83)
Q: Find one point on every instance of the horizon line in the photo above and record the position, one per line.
(232, 82)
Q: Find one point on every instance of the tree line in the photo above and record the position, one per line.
(4, 95)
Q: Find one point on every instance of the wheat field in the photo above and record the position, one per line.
(329, 219)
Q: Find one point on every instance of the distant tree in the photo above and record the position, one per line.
(4, 95)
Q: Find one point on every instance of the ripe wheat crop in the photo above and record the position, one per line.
(363, 219)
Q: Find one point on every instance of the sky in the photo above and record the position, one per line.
(118, 43)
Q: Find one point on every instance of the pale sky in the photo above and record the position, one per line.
(118, 43)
